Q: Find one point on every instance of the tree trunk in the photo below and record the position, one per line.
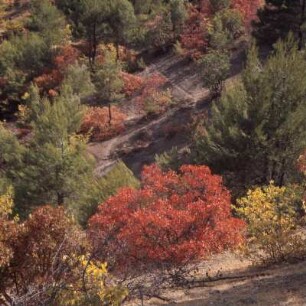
(110, 114)
(117, 52)
(60, 199)
(301, 38)
(93, 47)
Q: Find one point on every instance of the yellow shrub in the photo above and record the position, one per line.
(91, 286)
(108, 50)
(272, 223)
(6, 204)
(6, 209)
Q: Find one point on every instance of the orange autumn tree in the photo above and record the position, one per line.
(173, 220)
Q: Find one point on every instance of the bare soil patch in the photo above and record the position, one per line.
(229, 280)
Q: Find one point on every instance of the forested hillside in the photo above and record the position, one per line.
(150, 148)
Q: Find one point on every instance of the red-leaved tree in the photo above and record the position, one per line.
(173, 220)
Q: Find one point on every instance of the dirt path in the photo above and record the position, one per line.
(105, 152)
(235, 282)
(278, 286)
(186, 93)
(184, 81)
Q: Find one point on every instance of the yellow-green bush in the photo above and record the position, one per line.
(93, 278)
(272, 224)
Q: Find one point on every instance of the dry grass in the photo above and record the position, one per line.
(241, 284)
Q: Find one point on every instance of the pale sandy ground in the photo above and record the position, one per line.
(241, 284)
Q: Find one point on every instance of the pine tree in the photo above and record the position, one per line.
(122, 20)
(47, 21)
(108, 82)
(57, 169)
(79, 79)
(108, 21)
(258, 130)
(215, 67)
(178, 14)
(118, 177)
(93, 18)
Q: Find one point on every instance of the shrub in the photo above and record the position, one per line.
(131, 83)
(51, 79)
(194, 35)
(248, 9)
(46, 260)
(96, 122)
(169, 160)
(272, 223)
(173, 220)
(153, 99)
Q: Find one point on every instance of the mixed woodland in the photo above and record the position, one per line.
(78, 73)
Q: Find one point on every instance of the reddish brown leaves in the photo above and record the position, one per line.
(153, 98)
(248, 9)
(174, 219)
(131, 83)
(51, 79)
(97, 122)
(193, 38)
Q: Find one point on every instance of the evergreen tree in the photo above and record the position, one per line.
(108, 82)
(119, 176)
(57, 169)
(122, 21)
(11, 151)
(79, 79)
(108, 21)
(178, 14)
(93, 18)
(47, 21)
(215, 67)
(258, 129)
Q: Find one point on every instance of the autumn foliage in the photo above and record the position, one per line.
(36, 248)
(47, 262)
(174, 219)
(131, 83)
(272, 223)
(96, 122)
(50, 80)
(153, 98)
(194, 35)
(248, 9)
(8, 229)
